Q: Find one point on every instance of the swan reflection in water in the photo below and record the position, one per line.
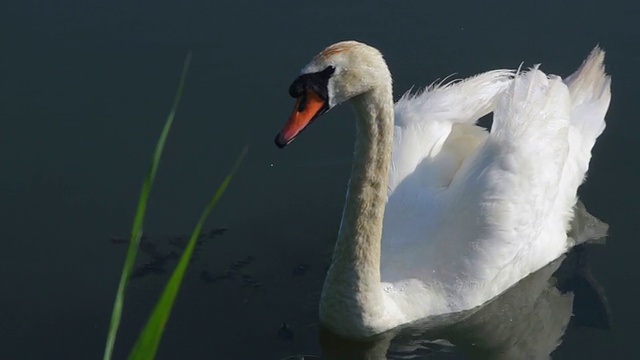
(525, 322)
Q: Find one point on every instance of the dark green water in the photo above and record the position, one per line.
(84, 90)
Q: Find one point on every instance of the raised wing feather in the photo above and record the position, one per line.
(424, 121)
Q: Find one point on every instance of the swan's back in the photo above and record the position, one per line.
(470, 213)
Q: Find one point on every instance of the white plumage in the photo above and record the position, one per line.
(468, 213)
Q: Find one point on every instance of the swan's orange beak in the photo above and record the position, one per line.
(307, 108)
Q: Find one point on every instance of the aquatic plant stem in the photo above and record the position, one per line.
(147, 344)
(136, 231)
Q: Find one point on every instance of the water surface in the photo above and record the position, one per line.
(85, 87)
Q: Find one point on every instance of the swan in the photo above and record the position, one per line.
(441, 216)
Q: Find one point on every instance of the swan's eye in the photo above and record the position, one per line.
(329, 71)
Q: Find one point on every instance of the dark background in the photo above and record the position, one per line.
(85, 87)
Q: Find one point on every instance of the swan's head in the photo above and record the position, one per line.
(340, 72)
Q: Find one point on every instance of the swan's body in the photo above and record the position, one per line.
(441, 216)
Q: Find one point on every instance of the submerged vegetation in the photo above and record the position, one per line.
(149, 339)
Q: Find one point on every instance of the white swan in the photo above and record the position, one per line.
(441, 216)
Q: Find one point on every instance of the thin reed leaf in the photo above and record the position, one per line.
(148, 341)
(136, 231)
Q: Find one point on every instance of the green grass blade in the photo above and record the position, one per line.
(136, 231)
(148, 341)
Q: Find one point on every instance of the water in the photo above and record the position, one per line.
(85, 88)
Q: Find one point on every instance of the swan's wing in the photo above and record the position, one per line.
(424, 121)
(503, 196)
(508, 206)
(504, 213)
(434, 132)
(460, 241)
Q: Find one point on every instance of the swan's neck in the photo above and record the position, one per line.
(352, 301)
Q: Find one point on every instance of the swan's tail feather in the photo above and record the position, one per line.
(590, 74)
(590, 89)
(533, 114)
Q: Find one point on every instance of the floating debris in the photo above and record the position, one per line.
(248, 281)
(242, 263)
(300, 269)
(158, 260)
(208, 278)
(285, 333)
